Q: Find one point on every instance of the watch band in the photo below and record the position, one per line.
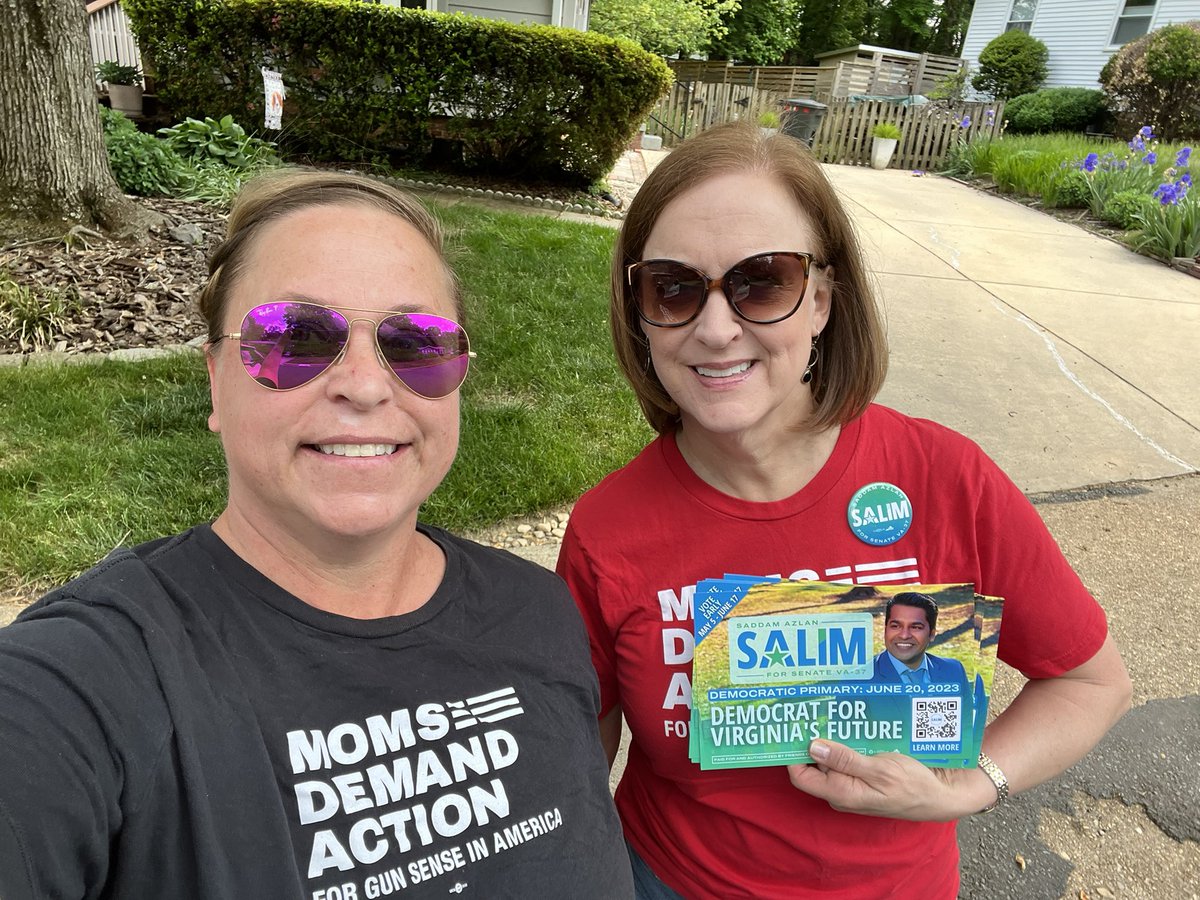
(992, 771)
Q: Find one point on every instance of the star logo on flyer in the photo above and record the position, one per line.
(879, 514)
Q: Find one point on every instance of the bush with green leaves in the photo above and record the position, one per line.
(1012, 64)
(141, 163)
(221, 140)
(366, 81)
(886, 131)
(1058, 109)
(1155, 80)
(1121, 208)
(113, 72)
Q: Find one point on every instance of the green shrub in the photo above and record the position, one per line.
(1155, 80)
(141, 163)
(1058, 109)
(1066, 188)
(114, 72)
(222, 140)
(886, 131)
(1122, 208)
(365, 81)
(1012, 64)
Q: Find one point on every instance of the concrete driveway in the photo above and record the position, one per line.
(1071, 360)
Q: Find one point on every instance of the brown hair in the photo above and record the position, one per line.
(853, 347)
(270, 197)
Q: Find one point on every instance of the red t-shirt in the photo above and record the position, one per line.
(639, 541)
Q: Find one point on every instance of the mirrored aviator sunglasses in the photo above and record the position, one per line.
(763, 289)
(286, 345)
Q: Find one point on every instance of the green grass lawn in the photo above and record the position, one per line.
(108, 454)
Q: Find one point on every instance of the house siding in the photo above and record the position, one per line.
(1077, 33)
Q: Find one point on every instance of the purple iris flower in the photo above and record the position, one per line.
(1150, 158)
(965, 123)
(1186, 179)
(991, 116)
(1181, 158)
(1137, 143)
(1090, 162)
(1145, 132)
(1167, 194)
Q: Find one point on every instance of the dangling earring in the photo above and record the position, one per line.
(649, 362)
(813, 357)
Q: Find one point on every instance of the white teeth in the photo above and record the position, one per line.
(723, 373)
(357, 449)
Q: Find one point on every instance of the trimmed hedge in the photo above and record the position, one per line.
(365, 80)
(1012, 63)
(1058, 109)
(1155, 80)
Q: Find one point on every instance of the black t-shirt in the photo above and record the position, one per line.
(173, 724)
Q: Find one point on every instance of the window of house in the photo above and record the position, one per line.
(1134, 20)
(1022, 15)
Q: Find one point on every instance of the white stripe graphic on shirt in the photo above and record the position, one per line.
(487, 708)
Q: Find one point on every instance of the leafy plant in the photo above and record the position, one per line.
(662, 26)
(1058, 109)
(1156, 79)
(1122, 208)
(114, 72)
(32, 319)
(1012, 64)
(221, 139)
(140, 162)
(769, 119)
(886, 131)
(1170, 227)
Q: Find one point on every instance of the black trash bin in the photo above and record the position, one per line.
(802, 117)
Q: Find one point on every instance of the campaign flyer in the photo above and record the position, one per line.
(779, 663)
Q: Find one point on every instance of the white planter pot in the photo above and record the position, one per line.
(126, 98)
(881, 152)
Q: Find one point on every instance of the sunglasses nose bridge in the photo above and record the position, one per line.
(373, 325)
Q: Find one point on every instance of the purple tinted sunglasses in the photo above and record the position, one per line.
(287, 344)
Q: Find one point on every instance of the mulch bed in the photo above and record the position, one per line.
(139, 294)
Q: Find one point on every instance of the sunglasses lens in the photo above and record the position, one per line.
(667, 292)
(767, 287)
(428, 353)
(285, 345)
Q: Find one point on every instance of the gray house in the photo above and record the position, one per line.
(567, 13)
(1080, 34)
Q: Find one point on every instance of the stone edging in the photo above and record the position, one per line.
(544, 203)
(124, 354)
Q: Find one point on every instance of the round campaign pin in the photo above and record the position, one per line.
(879, 514)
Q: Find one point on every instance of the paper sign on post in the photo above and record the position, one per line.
(273, 94)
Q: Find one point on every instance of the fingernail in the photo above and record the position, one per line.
(818, 751)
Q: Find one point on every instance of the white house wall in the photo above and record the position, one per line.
(1076, 32)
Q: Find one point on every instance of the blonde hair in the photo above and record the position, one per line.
(270, 197)
(852, 346)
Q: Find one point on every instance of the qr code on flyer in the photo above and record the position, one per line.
(938, 719)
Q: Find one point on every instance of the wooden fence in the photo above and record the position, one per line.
(109, 34)
(928, 132)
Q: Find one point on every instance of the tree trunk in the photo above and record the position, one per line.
(54, 170)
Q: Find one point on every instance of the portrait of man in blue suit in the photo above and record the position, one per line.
(910, 622)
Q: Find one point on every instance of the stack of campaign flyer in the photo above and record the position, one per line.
(779, 663)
